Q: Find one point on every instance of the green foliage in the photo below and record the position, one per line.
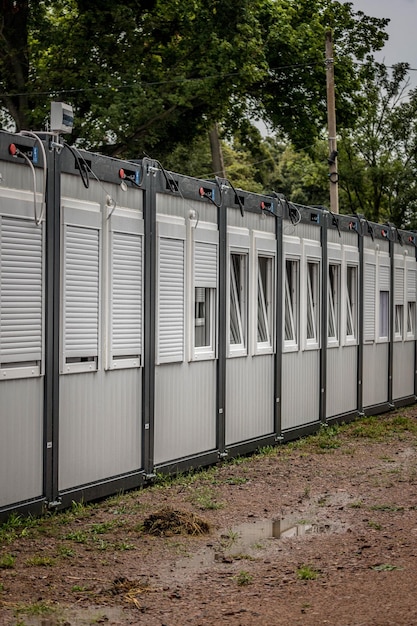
(167, 70)
(7, 561)
(306, 572)
(243, 578)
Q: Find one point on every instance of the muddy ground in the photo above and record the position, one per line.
(323, 531)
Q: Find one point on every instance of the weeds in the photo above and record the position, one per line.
(40, 561)
(305, 572)
(7, 561)
(243, 578)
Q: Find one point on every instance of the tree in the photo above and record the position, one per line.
(148, 75)
(378, 158)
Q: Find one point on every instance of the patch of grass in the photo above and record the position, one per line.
(229, 538)
(236, 480)
(358, 504)
(78, 588)
(77, 536)
(393, 508)
(65, 552)
(385, 567)
(102, 528)
(205, 500)
(40, 561)
(7, 561)
(374, 525)
(243, 578)
(306, 572)
(35, 608)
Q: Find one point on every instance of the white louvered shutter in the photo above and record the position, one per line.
(369, 301)
(81, 292)
(399, 285)
(384, 278)
(171, 300)
(126, 296)
(411, 285)
(20, 291)
(205, 265)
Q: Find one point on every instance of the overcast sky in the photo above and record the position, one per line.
(402, 43)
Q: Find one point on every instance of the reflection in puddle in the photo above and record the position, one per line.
(245, 540)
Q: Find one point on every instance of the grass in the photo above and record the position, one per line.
(243, 578)
(205, 500)
(7, 561)
(40, 561)
(306, 572)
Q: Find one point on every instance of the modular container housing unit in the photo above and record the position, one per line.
(153, 322)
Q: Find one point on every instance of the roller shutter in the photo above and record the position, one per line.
(20, 291)
(171, 300)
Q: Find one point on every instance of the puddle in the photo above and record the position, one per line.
(246, 540)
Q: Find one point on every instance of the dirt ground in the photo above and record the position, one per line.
(323, 531)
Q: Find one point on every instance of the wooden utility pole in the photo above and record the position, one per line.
(216, 152)
(331, 124)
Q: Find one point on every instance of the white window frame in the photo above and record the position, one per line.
(383, 301)
(333, 303)
(351, 304)
(20, 206)
(265, 303)
(312, 302)
(291, 303)
(204, 284)
(411, 289)
(238, 300)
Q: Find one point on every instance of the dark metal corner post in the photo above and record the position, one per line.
(149, 319)
(279, 326)
(415, 341)
(391, 317)
(361, 317)
(222, 329)
(52, 320)
(323, 318)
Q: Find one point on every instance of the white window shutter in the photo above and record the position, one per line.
(81, 292)
(411, 285)
(369, 302)
(399, 285)
(126, 294)
(205, 265)
(171, 300)
(20, 291)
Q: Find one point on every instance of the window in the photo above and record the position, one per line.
(411, 303)
(203, 318)
(351, 302)
(398, 321)
(291, 314)
(333, 324)
(205, 285)
(369, 315)
(411, 319)
(383, 314)
(265, 302)
(238, 301)
(312, 303)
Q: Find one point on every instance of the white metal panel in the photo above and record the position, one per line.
(411, 285)
(21, 440)
(185, 410)
(171, 303)
(20, 291)
(375, 374)
(249, 398)
(341, 389)
(126, 295)
(403, 370)
(300, 400)
(99, 426)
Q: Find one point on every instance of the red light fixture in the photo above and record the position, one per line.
(13, 149)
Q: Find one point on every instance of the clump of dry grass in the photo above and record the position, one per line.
(168, 521)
